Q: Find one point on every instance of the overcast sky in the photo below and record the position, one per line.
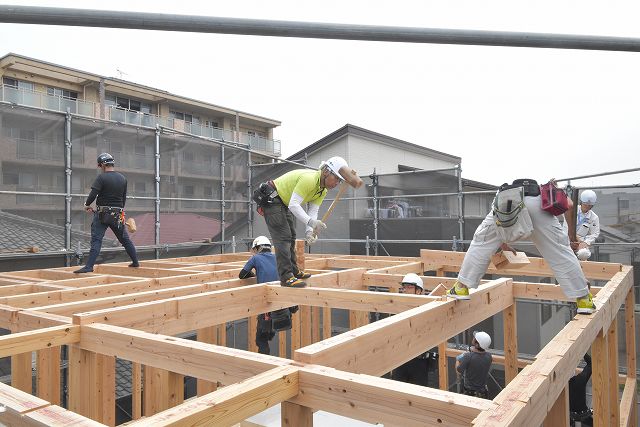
(508, 112)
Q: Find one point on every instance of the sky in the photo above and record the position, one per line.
(508, 112)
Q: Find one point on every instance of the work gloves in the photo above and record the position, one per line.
(310, 237)
(317, 225)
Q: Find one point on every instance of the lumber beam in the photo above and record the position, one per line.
(345, 279)
(200, 360)
(292, 415)
(628, 403)
(381, 346)
(630, 331)
(510, 328)
(22, 342)
(382, 302)
(558, 416)
(612, 358)
(233, 403)
(380, 400)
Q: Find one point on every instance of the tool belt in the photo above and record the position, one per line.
(509, 211)
(483, 394)
(265, 195)
(111, 215)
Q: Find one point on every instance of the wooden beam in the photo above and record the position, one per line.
(232, 403)
(292, 415)
(558, 416)
(628, 404)
(345, 279)
(387, 343)
(600, 381)
(443, 367)
(630, 332)
(612, 358)
(48, 374)
(380, 400)
(199, 360)
(382, 302)
(510, 328)
(29, 341)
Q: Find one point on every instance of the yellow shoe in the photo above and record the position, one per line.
(585, 304)
(293, 282)
(459, 292)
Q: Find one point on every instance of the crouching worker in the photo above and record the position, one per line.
(517, 214)
(473, 366)
(264, 264)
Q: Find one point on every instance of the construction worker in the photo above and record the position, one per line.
(473, 366)
(587, 226)
(264, 264)
(416, 370)
(110, 188)
(578, 409)
(282, 199)
(546, 233)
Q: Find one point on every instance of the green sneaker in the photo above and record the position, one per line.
(293, 282)
(585, 304)
(459, 292)
(301, 274)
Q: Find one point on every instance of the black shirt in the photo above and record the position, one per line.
(111, 189)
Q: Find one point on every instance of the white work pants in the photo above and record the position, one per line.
(548, 237)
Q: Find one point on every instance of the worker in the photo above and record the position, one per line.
(263, 261)
(473, 366)
(282, 199)
(587, 226)
(415, 371)
(578, 409)
(539, 226)
(110, 188)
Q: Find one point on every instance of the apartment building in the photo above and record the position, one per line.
(120, 117)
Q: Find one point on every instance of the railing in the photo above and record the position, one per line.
(31, 98)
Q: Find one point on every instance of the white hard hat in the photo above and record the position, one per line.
(588, 197)
(483, 338)
(335, 164)
(261, 241)
(413, 279)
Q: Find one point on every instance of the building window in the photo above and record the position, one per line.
(211, 124)
(187, 156)
(18, 84)
(188, 191)
(180, 115)
(623, 204)
(64, 93)
(10, 178)
(127, 103)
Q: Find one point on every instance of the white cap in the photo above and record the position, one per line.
(588, 197)
(335, 164)
(483, 338)
(413, 279)
(260, 241)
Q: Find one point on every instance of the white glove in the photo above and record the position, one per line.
(317, 225)
(310, 237)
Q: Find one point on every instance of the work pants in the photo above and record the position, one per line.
(97, 234)
(548, 237)
(282, 227)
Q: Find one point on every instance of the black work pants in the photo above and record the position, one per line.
(97, 234)
(415, 371)
(282, 227)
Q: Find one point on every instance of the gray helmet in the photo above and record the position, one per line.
(106, 159)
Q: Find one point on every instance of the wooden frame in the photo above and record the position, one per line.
(134, 314)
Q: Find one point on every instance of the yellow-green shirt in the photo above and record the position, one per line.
(304, 182)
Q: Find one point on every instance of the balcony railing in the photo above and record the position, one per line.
(31, 98)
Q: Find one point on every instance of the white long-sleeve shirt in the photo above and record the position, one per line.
(587, 226)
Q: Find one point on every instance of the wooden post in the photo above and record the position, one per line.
(443, 367)
(293, 415)
(156, 390)
(305, 325)
(509, 319)
(630, 332)
(48, 374)
(282, 343)
(600, 380)
(176, 389)
(300, 253)
(612, 343)
(222, 334)
(106, 388)
(315, 328)
(326, 322)
(252, 325)
(210, 336)
(83, 396)
(295, 331)
(558, 416)
(136, 390)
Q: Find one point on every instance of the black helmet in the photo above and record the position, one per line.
(106, 159)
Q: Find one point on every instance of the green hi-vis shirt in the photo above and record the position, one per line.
(304, 182)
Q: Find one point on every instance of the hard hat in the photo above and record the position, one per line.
(335, 164)
(588, 197)
(483, 338)
(261, 241)
(106, 159)
(413, 279)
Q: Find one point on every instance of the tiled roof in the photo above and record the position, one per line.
(20, 232)
(175, 228)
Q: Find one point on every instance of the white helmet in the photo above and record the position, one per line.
(483, 338)
(335, 164)
(413, 279)
(588, 197)
(261, 241)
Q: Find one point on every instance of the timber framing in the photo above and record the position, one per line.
(136, 315)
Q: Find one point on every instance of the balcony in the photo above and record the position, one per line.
(44, 101)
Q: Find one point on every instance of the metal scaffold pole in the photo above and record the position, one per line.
(249, 201)
(222, 203)
(157, 192)
(460, 202)
(376, 211)
(67, 187)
